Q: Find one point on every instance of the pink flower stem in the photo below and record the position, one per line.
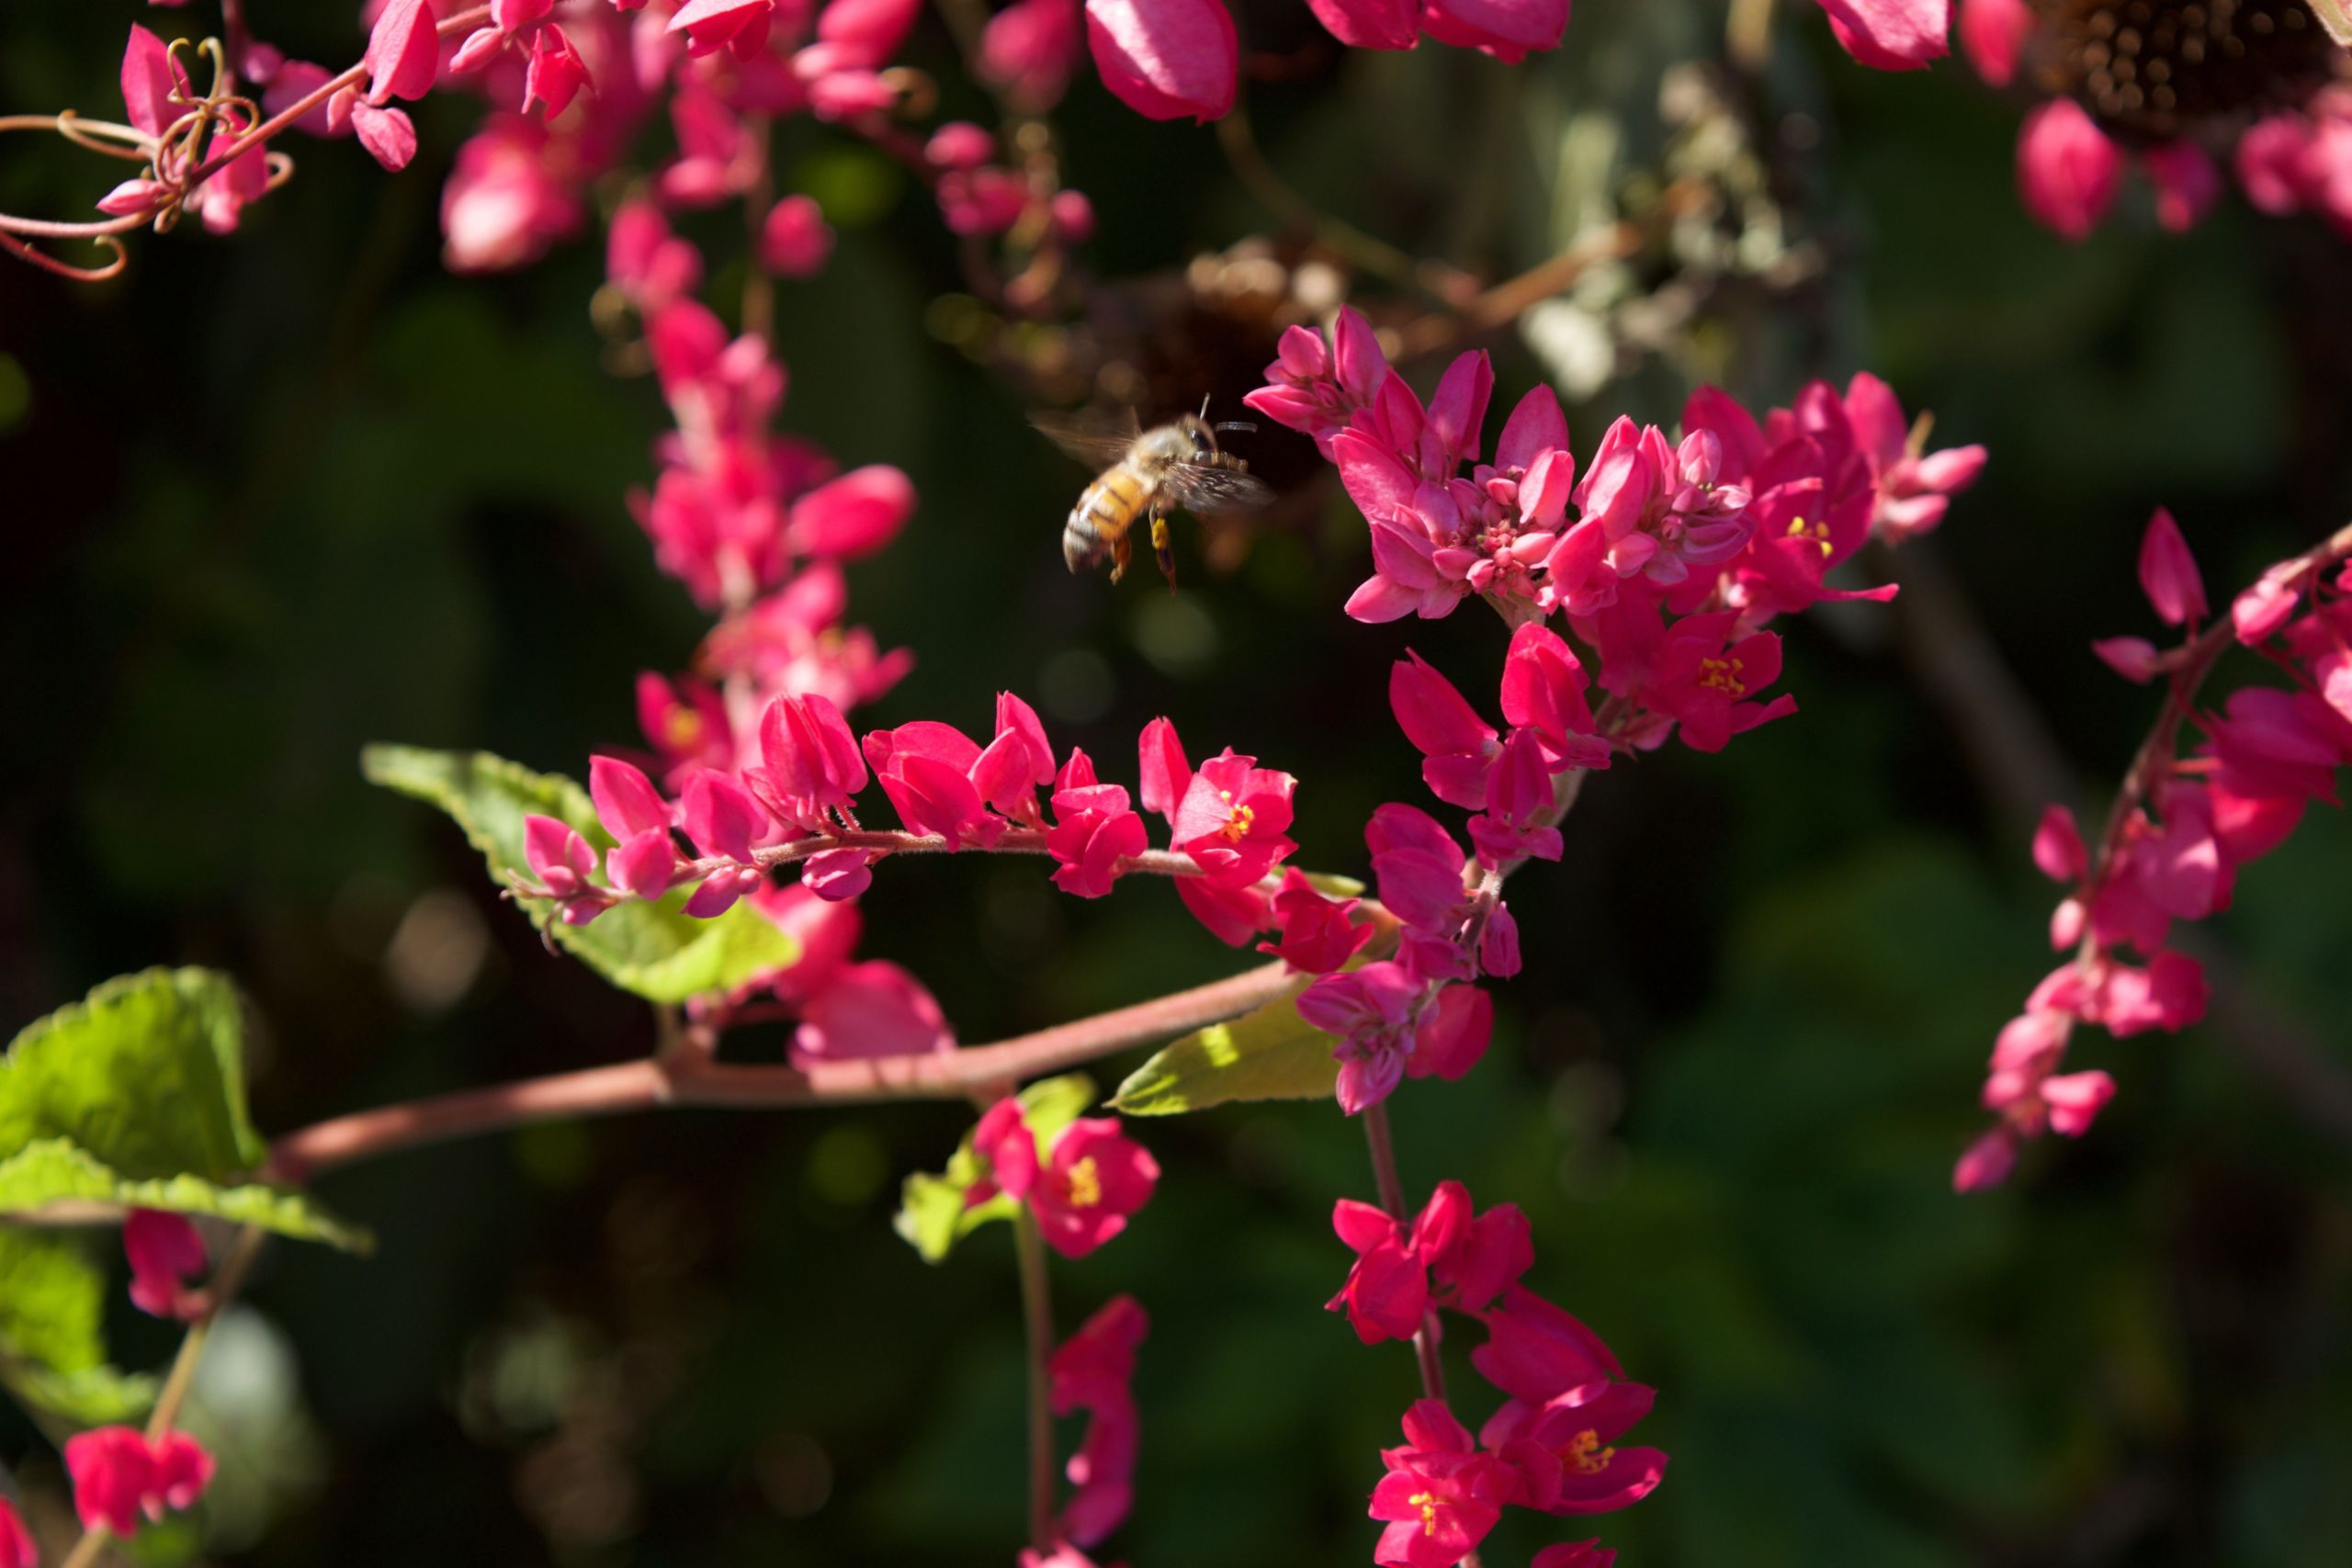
(2188, 665)
(1037, 1319)
(1392, 1198)
(651, 1083)
(463, 22)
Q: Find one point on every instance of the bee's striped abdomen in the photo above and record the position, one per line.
(1099, 522)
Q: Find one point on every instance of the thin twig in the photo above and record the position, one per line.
(1037, 1320)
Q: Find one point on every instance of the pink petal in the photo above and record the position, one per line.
(1165, 59)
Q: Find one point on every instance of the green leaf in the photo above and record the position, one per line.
(932, 1212)
(653, 950)
(1051, 1105)
(2336, 15)
(135, 1098)
(1268, 1054)
(52, 1355)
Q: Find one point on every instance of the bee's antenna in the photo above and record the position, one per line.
(1205, 404)
(1250, 425)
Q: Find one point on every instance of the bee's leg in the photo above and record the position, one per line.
(1159, 548)
(1119, 556)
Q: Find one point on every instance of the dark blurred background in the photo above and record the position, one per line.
(269, 499)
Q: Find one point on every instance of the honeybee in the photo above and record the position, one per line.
(1150, 473)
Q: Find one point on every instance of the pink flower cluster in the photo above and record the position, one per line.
(1739, 515)
(1081, 1190)
(1551, 1446)
(1226, 820)
(2070, 171)
(1175, 59)
(122, 1480)
(2184, 826)
(1665, 560)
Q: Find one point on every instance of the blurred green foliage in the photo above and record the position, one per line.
(268, 500)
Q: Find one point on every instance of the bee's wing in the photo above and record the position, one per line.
(1095, 439)
(1210, 492)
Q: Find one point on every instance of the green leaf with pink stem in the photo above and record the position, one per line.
(654, 949)
(1268, 1054)
(134, 1097)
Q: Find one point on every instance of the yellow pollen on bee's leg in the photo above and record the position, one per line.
(1722, 675)
(1584, 1452)
(1085, 1184)
(1426, 1503)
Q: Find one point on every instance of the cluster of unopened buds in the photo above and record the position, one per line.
(2181, 828)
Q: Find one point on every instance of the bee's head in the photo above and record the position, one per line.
(1198, 437)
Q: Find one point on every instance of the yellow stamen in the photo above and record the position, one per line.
(1426, 1503)
(1817, 532)
(1584, 1452)
(683, 729)
(1723, 675)
(1085, 1184)
(1236, 824)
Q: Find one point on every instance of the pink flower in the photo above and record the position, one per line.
(1387, 1288)
(1091, 1372)
(740, 25)
(1890, 34)
(556, 72)
(1027, 51)
(1373, 1011)
(1317, 936)
(1508, 29)
(16, 1549)
(1232, 820)
(1543, 690)
(1702, 679)
(1564, 1449)
(1370, 24)
(1535, 1351)
(926, 770)
(165, 1256)
(869, 1009)
(810, 761)
(795, 241)
(1083, 1190)
(1457, 745)
(119, 1476)
(1165, 59)
(2168, 572)
(2067, 169)
(403, 51)
(504, 205)
(558, 856)
(1913, 487)
(1441, 1495)
(1992, 35)
(1575, 1554)
(1094, 833)
(2058, 850)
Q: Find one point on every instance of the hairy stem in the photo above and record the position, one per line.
(1037, 1320)
(650, 1083)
